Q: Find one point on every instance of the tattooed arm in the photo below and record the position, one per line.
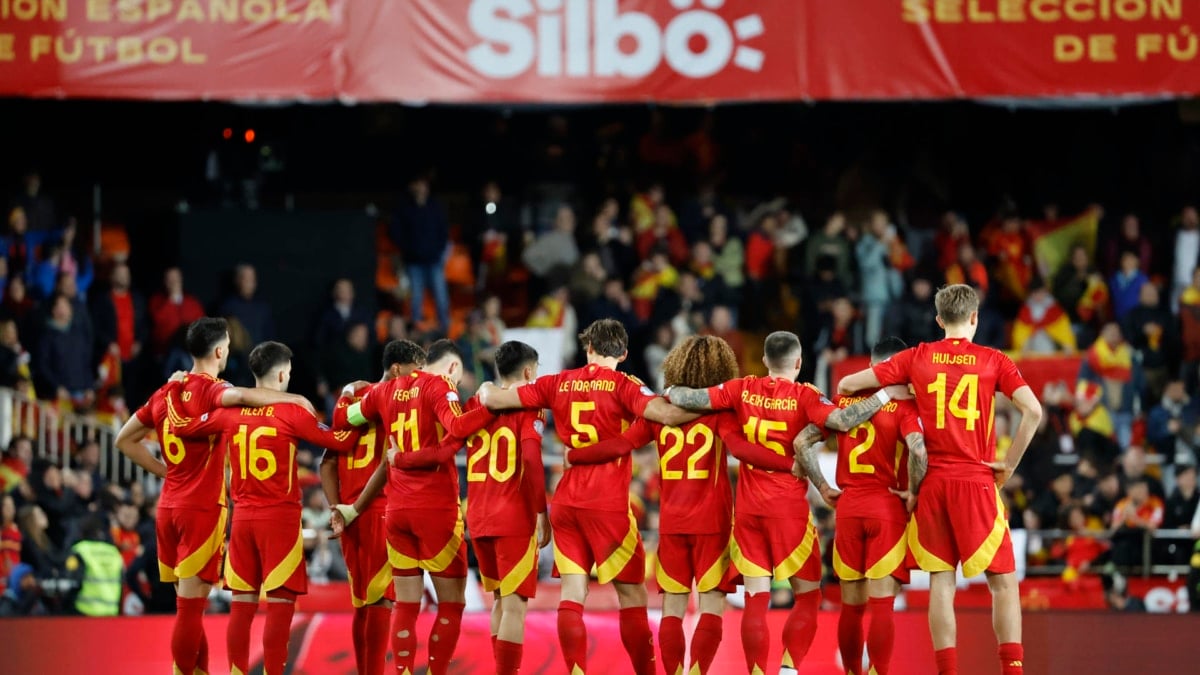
(918, 461)
(808, 446)
(690, 399)
(845, 419)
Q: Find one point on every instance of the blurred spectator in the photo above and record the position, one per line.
(830, 242)
(675, 306)
(615, 303)
(760, 261)
(16, 466)
(244, 306)
(81, 319)
(62, 495)
(967, 269)
(1151, 331)
(63, 258)
(554, 252)
(38, 550)
(422, 233)
(879, 283)
(86, 460)
(1103, 501)
(124, 533)
(840, 336)
(10, 537)
(913, 318)
(14, 360)
(1133, 468)
(142, 577)
(98, 569)
(1186, 253)
(663, 234)
(1137, 514)
(721, 324)
(1169, 425)
(1091, 423)
(656, 353)
(993, 330)
(1180, 508)
(587, 279)
(339, 315)
(1129, 239)
(1126, 285)
(554, 310)
(478, 345)
(1044, 510)
(23, 595)
(1011, 251)
(613, 242)
(1081, 548)
(119, 320)
(63, 364)
(729, 261)
(19, 244)
(952, 234)
(699, 211)
(493, 232)
(644, 209)
(18, 306)
(1109, 362)
(1082, 293)
(1042, 327)
(492, 320)
(170, 311)
(347, 360)
(38, 208)
(655, 274)
(1189, 314)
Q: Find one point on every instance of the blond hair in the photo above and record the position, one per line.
(955, 303)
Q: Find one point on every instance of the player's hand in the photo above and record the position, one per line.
(566, 458)
(798, 470)
(358, 385)
(543, 530)
(177, 376)
(303, 402)
(830, 495)
(899, 392)
(391, 453)
(485, 393)
(337, 524)
(1001, 471)
(906, 496)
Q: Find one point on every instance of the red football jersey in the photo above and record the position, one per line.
(955, 382)
(356, 468)
(418, 411)
(506, 481)
(772, 412)
(873, 457)
(196, 466)
(591, 404)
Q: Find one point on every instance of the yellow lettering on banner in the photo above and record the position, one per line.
(129, 50)
(282, 14)
(1044, 10)
(99, 45)
(188, 55)
(1167, 9)
(189, 10)
(1130, 10)
(914, 11)
(1068, 48)
(162, 50)
(157, 8)
(1182, 47)
(54, 10)
(226, 9)
(7, 42)
(130, 11)
(318, 10)
(1011, 10)
(1102, 47)
(99, 10)
(977, 15)
(68, 47)
(948, 11)
(1147, 44)
(257, 11)
(39, 45)
(1079, 10)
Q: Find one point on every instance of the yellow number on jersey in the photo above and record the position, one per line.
(490, 447)
(964, 401)
(858, 450)
(585, 434)
(258, 462)
(172, 445)
(406, 421)
(362, 459)
(756, 431)
(674, 437)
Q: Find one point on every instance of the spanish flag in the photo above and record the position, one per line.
(1050, 318)
(1052, 242)
(1111, 363)
(1093, 304)
(549, 313)
(1098, 420)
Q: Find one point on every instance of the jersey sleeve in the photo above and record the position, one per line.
(213, 392)
(896, 369)
(1008, 378)
(638, 434)
(539, 393)
(145, 414)
(450, 414)
(532, 428)
(910, 421)
(750, 453)
(339, 420)
(429, 458)
(725, 395)
(212, 422)
(815, 405)
(634, 394)
(307, 428)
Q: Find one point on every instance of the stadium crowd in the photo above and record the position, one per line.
(1116, 454)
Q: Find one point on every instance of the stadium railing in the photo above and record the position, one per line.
(1042, 540)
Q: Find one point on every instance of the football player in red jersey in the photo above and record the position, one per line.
(424, 521)
(593, 524)
(506, 503)
(696, 514)
(870, 546)
(774, 535)
(191, 511)
(266, 547)
(959, 516)
(364, 535)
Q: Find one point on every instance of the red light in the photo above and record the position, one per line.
(249, 135)
(227, 133)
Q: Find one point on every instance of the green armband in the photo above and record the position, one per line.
(354, 415)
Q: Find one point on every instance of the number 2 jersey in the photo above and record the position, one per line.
(772, 411)
(195, 465)
(955, 382)
(873, 457)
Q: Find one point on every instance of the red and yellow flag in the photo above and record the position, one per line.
(1109, 363)
(1054, 321)
(1052, 242)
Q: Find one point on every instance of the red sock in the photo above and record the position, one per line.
(756, 635)
(881, 636)
(358, 634)
(202, 653)
(443, 638)
(705, 641)
(376, 646)
(638, 640)
(276, 631)
(508, 657)
(671, 644)
(947, 661)
(1012, 654)
(572, 635)
(237, 635)
(404, 636)
(495, 639)
(800, 628)
(188, 633)
(850, 637)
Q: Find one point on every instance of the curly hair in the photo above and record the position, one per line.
(700, 361)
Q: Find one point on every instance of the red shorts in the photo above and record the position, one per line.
(508, 564)
(364, 546)
(870, 548)
(783, 548)
(684, 557)
(190, 543)
(264, 555)
(608, 540)
(961, 521)
(426, 539)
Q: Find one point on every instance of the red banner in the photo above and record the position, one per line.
(597, 50)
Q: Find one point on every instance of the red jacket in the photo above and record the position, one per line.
(167, 317)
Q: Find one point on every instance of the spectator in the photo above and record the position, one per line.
(1013, 259)
(967, 269)
(63, 367)
(494, 227)
(1102, 503)
(952, 234)
(339, 315)
(14, 360)
(729, 261)
(830, 242)
(98, 569)
(1138, 514)
(1186, 251)
(20, 244)
(555, 251)
(840, 337)
(38, 550)
(655, 274)
(253, 313)
(119, 320)
(1109, 362)
(1189, 315)
(913, 317)
(1091, 423)
(492, 320)
(86, 460)
(1043, 512)
(23, 596)
(1081, 549)
(38, 208)
(1180, 508)
(61, 493)
(1042, 327)
(421, 232)
(15, 467)
(698, 212)
(656, 353)
(555, 311)
(124, 533)
(10, 537)
(615, 303)
(18, 306)
(760, 267)
(644, 209)
(676, 305)
(349, 360)
(478, 345)
(81, 319)
(1151, 331)
(1130, 239)
(1082, 293)
(63, 258)
(1126, 285)
(721, 324)
(614, 243)
(1170, 422)
(664, 234)
(143, 579)
(171, 310)
(587, 279)
(1133, 468)
(879, 283)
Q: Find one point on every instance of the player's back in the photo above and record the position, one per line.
(356, 468)
(696, 494)
(195, 466)
(262, 458)
(498, 488)
(407, 410)
(873, 457)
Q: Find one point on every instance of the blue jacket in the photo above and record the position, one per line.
(421, 232)
(1125, 292)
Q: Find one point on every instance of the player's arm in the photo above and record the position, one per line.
(1027, 404)
(129, 442)
(918, 461)
(535, 475)
(349, 512)
(451, 416)
(888, 372)
(863, 379)
(208, 424)
(808, 445)
(663, 412)
(497, 398)
(331, 485)
(690, 399)
(759, 457)
(425, 458)
(340, 409)
(232, 397)
(845, 419)
(307, 428)
(637, 435)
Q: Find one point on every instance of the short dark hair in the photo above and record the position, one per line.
(267, 356)
(204, 334)
(606, 337)
(512, 356)
(402, 353)
(887, 347)
(440, 348)
(93, 527)
(779, 347)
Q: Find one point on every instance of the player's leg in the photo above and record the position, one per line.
(932, 540)
(1006, 621)
(881, 635)
(981, 535)
(237, 632)
(616, 542)
(512, 565)
(942, 628)
(801, 565)
(510, 638)
(408, 583)
(494, 619)
(709, 565)
(572, 562)
(379, 617)
(751, 553)
(674, 572)
(281, 607)
(191, 555)
(709, 630)
(447, 624)
(243, 576)
(364, 548)
(886, 547)
(850, 624)
(671, 642)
